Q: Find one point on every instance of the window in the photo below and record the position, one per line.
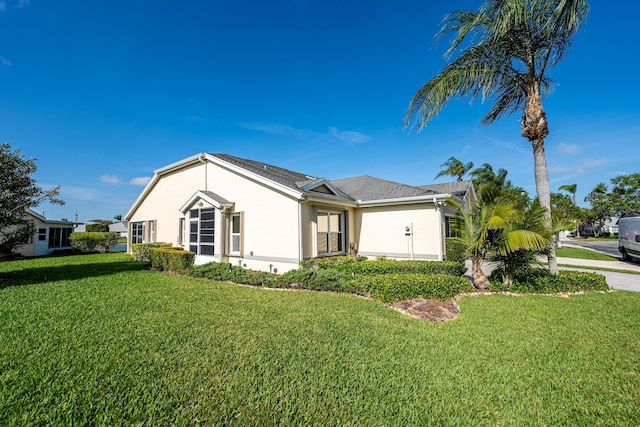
(152, 231)
(182, 238)
(202, 231)
(450, 226)
(137, 232)
(42, 234)
(330, 233)
(59, 237)
(235, 234)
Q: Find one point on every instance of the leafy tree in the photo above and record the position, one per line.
(506, 49)
(625, 195)
(118, 217)
(18, 192)
(454, 167)
(571, 188)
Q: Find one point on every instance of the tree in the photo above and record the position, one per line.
(506, 49)
(454, 167)
(18, 192)
(118, 217)
(570, 188)
(625, 195)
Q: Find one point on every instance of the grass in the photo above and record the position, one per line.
(567, 252)
(99, 340)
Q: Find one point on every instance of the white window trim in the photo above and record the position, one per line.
(343, 233)
(240, 218)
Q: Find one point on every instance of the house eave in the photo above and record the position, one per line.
(434, 198)
(256, 177)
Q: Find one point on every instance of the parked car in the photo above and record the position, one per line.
(629, 237)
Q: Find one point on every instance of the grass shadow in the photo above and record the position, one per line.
(43, 274)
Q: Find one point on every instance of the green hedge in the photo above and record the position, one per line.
(323, 263)
(171, 259)
(455, 251)
(140, 251)
(318, 280)
(88, 241)
(545, 283)
(387, 266)
(233, 273)
(399, 287)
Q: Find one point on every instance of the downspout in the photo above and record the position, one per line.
(204, 163)
(300, 237)
(439, 220)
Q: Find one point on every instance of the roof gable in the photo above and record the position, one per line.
(208, 196)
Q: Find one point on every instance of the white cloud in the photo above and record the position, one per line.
(588, 166)
(110, 179)
(3, 6)
(568, 148)
(22, 3)
(140, 181)
(5, 61)
(277, 129)
(348, 137)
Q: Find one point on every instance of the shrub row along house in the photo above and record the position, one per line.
(263, 217)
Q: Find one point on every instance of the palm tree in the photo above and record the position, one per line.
(506, 48)
(570, 188)
(499, 231)
(454, 167)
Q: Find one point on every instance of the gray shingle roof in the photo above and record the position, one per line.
(363, 188)
(456, 188)
(282, 176)
(369, 188)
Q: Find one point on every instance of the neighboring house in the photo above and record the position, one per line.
(610, 226)
(120, 228)
(263, 217)
(50, 235)
(116, 227)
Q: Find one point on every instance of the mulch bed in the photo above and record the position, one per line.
(436, 311)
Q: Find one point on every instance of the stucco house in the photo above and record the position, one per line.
(264, 217)
(50, 235)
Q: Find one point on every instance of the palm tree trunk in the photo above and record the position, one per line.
(535, 128)
(479, 279)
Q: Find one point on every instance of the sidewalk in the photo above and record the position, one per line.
(618, 265)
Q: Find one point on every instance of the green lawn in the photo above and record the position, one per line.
(581, 253)
(98, 340)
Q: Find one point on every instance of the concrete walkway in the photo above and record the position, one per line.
(621, 281)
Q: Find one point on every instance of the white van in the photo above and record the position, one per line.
(629, 237)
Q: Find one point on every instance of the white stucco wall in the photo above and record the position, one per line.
(382, 231)
(270, 224)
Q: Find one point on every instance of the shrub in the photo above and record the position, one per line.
(171, 259)
(330, 262)
(88, 242)
(211, 271)
(140, 251)
(236, 274)
(455, 251)
(97, 228)
(402, 267)
(398, 287)
(318, 280)
(542, 282)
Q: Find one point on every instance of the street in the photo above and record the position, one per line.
(609, 247)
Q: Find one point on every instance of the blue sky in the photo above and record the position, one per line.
(104, 93)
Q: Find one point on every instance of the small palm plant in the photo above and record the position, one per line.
(517, 248)
(500, 231)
